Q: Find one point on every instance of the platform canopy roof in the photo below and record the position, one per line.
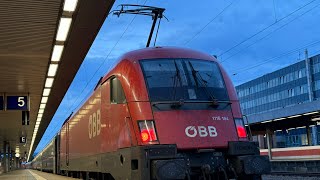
(33, 74)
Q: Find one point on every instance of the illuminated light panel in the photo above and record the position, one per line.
(49, 82)
(42, 106)
(278, 119)
(266, 121)
(315, 112)
(37, 123)
(290, 129)
(52, 69)
(44, 100)
(39, 116)
(38, 119)
(63, 29)
(300, 127)
(46, 92)
(36, 126)
(57, 52)
(294, 116)
(40, 111)
(70, 5)
(315, 119)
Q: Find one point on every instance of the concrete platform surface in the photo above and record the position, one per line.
(27, 174)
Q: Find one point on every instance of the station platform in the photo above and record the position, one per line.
(28, 174)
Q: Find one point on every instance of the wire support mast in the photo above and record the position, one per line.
(155, 12)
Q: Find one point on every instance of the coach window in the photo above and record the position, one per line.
(117, 95)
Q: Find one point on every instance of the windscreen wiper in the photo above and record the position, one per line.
(177, 77)
(214, 101)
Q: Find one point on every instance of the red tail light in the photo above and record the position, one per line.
(147, 131)
(241, 130)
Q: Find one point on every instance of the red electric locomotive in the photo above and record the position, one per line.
(161, 113)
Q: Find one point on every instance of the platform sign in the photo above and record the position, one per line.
(17, 103)
(1, 103)
(23, 140)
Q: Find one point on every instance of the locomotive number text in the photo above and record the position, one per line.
(202, 131)
(94, 126)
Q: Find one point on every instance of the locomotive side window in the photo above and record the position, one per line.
(117, 95)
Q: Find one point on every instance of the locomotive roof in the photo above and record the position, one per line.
(165, 52)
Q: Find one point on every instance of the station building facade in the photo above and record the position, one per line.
(286, 103)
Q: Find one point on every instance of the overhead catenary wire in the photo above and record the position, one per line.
(265, 28)
(280, 27)
(243, 80)
(215, 17)
(277, 57)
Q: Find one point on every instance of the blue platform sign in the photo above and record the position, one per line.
(17, 103)
(1, 102)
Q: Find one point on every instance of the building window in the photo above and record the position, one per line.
(290, 92)
(300, 74)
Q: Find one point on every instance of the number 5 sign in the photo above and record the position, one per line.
(17, 102)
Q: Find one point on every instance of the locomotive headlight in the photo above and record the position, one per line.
(241, 130)
(147, 131)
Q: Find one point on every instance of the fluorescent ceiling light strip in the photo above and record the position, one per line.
(278, 119)
(63, 29)
(300, 127)
(42, 106)
(44, 100)
(315, 112)
(52, 69)
(46, 92)
(70, 5)
(266, 121)
(57, 52)
(49, 82)
(41, 111)
(38, 119)
(294, 116)
(315, 119)
(39, 116)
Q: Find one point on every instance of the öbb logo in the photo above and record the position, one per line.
(94, 125)
(202, 131)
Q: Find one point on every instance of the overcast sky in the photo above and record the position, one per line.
(251, 38)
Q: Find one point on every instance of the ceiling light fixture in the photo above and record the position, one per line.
(70, 5)
(49, 82)
(44, 100)
(42, 106)
(315, 112)
(63, 28)
(52, 69)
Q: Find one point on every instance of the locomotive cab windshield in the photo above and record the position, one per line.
(180, 81)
